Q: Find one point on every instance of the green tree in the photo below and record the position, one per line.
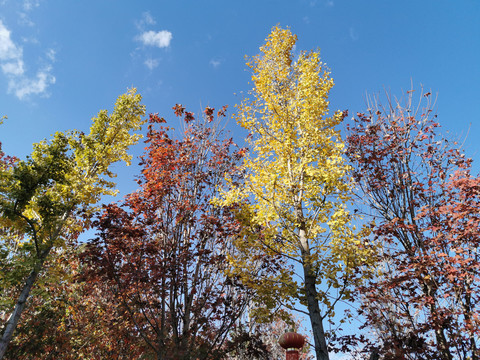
(298, 185)
(47, 199)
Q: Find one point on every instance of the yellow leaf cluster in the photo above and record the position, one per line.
(68, 173)
(297, 187)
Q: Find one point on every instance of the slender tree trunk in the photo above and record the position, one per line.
(316, 319)
(310, 286)
(467, 313)
(17, 312)
(20, 305)
(439, 332)
(443, 344)
(314, 313)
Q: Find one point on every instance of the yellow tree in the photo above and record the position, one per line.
(47, 199)
(297, 186)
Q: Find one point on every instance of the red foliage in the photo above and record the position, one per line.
(5, 160)
(72, 320)
(426, 207)
(209, 113)
(163, 252)
(178, 109)
(222, 111)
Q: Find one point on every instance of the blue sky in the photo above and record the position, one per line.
(62, 60)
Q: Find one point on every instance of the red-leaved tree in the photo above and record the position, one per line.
(5, 160)
(425, 207)
(71, 320)
(162, 253)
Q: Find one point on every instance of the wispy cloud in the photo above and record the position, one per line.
(23, 19)
(353, 34)
(13, 67)
(23, 86)
(30, 4)
(51, 55)
(159, 39)
(27, 6)
(151, 63)
(215, 62)
(150, 38)
(147, 19)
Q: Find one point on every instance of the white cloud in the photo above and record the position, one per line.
(329, 3)
(151, 63)
(22, 86)
(215, 63)
(159, 39)
(13, 67)
(8, 50)
(30, 4)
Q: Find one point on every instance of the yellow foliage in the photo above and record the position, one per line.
(298, 186)
(42, 196)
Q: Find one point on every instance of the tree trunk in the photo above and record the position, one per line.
(442, 342)
(310, 288)
(17, 312)
(314, 313)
